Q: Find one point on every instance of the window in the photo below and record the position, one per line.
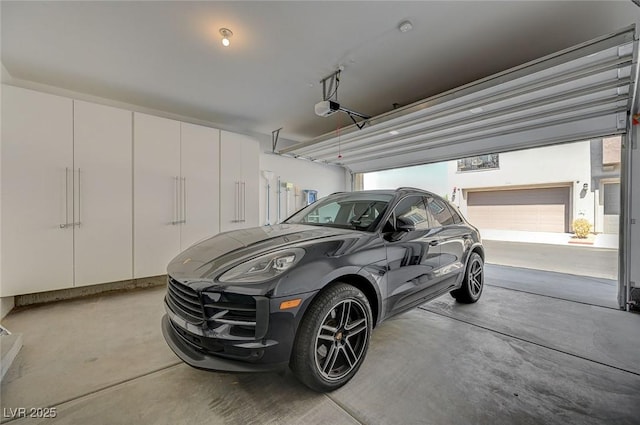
(456, 215)
(478, 163)
(325, 214)
(440, 212)
(363, 214)
(351, 211)
(611, 195)
(411, 210)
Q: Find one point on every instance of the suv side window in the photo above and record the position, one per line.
(412, 210)
(456, 215)
(440, 212)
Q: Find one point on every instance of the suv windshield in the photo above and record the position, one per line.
(358, 211)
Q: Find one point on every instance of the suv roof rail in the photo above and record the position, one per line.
(411, 188)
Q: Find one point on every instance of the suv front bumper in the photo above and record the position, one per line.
(268, 351)
(189, 354)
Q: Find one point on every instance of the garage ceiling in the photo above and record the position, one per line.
(167, 56)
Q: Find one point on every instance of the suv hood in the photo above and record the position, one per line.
(200, 260)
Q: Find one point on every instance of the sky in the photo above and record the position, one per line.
(431, 177)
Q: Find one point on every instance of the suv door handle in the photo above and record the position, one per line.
(433, 243)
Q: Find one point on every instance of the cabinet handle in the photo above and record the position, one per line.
(66, 199)
(244, 202)
(79, 215)
(184, 200)
(176, 209)
(238, 202)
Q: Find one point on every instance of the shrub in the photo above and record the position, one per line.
(581, 227)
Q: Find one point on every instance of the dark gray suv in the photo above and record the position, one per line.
(308, 292)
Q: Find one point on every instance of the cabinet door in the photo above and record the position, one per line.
(37, 146)
(103, 204)
(251, 182)
(230, 181)
(156, 185)
(200, 162)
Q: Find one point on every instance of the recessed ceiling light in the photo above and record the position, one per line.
(394, 132)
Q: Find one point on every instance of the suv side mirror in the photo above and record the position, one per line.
(404, 225)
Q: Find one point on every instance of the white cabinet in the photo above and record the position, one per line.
(200, 159)
(175, 189)
(66, 193)
(239, 181)
(103, 193)
(93, 194)
(156, 183)
(37, 165)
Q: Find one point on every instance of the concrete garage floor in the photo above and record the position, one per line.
(512, 358)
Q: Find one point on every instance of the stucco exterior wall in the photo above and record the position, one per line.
(568, 165)
(560, 165)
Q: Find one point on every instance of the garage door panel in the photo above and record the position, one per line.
(429, 153)
(547, 196)
(536, 210)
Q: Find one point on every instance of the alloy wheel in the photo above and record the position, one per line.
(475, 278)
(341, 339)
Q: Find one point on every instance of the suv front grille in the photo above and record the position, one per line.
(184, 302)
(244, 316)
(231, 316)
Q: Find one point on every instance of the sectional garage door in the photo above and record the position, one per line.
(580, 93)
(535, 210)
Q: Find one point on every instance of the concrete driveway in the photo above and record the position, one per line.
(570, 259)
(583, 289)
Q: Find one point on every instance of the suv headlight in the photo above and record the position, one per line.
(263, 268)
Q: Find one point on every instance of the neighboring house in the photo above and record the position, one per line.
(541, 189)
(605, 181)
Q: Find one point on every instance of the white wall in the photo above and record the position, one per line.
(431, 177)
(567, 163)
(326, 179)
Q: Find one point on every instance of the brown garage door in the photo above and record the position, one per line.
(534, 210)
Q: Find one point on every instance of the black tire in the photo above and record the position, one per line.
(473, 282)
(333, 338)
